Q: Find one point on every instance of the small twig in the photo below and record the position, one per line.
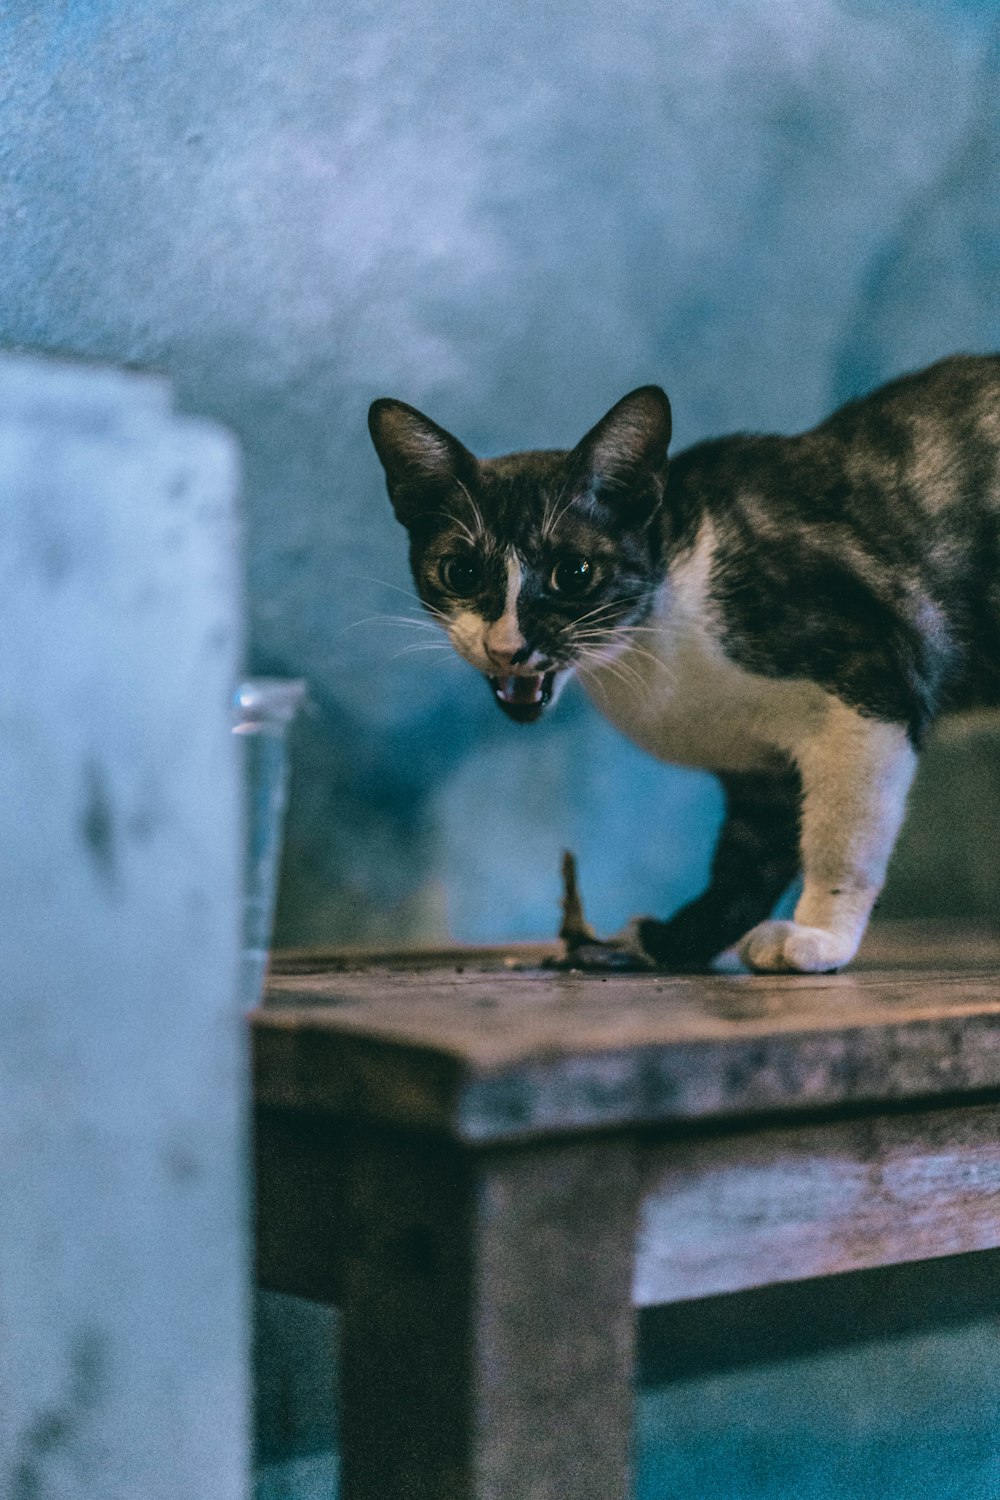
(575, 928)
(583, 949)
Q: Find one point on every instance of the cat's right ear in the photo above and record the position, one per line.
(422, 462)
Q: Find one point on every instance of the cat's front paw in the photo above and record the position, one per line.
(791, 948)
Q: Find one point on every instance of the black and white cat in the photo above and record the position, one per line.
(789, 612)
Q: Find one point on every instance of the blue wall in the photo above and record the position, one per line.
(508, 217)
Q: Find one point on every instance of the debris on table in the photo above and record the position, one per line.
(575, 928)
(583, 949)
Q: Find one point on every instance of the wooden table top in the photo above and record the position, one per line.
(486, 1045)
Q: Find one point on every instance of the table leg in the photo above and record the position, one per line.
(488, 1324)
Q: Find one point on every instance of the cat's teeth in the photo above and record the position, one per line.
(520, 689)
(523, 699)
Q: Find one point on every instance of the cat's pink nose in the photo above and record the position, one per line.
(507, 661)
(504, 661)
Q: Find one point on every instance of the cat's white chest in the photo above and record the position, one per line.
(676, 694)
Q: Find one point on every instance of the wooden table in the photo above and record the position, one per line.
(490, 1166)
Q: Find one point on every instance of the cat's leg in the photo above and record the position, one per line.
(856, 773)
(755, 859)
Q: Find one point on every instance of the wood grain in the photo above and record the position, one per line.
(887, 945)
(489, 1164)
(488, 1053)
(487, 1333)
(727, 1213)
(719, 1213)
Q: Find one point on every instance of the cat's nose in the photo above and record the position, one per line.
(503, 661)
(506, 661)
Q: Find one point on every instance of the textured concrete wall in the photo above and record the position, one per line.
(123, 1256)
(508, 216)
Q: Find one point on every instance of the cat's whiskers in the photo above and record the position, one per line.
(593, 678)
(447, 515)
(609, 606)
(407, 622)
(469, 535)
(477, 515)
(615, 667)
(550, 504)
(599, 674)
(425, 646)
(549, 520)
(664, 668)
(631, 673)
(603, 611)
(624, 650)
(414, 620)
(410, 594)
(603, 630)
(621, 638)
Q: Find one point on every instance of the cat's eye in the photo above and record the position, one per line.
(461, 576)
(572, 577)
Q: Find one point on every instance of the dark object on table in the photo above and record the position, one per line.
(575, 929)
(583, 949)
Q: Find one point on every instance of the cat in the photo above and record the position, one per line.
(790, 613)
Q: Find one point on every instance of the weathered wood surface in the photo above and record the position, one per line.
(925, 944)
(488, 1053)
(488, 1329)
(725, 1213)
(722, 1212)
(427, 1157)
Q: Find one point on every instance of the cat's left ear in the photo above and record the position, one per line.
(624, 457)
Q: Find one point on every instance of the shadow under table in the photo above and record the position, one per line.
(489, 1166)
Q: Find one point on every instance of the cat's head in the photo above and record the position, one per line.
(536, 563)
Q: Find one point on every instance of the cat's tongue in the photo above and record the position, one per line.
(523, 698)
(519, 689)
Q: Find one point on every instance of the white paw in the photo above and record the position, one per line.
(788, 947)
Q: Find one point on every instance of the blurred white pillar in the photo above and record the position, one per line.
(123, 1255)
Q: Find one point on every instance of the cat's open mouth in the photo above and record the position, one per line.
(523, 699)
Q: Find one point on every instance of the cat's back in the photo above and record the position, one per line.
(921, 431)
(920, 444)
(865, 553)
(961, 386)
